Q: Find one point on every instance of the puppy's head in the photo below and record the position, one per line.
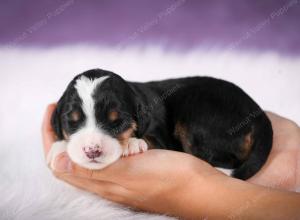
(96, 115)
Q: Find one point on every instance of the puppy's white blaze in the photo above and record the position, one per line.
(85, 88)
(228, 172)
(90, 133)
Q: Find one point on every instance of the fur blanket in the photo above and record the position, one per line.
(32, 78)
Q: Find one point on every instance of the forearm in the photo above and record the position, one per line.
(228, 198)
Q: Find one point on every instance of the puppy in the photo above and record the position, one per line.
(101, 117)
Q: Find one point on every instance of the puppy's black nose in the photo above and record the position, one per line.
(92, 152)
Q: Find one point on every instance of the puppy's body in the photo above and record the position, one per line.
(209, 118)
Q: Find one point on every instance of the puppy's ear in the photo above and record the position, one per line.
(142, 118)
(56, 122)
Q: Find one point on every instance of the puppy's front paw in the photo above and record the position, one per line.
(135, 146)
(56, 149)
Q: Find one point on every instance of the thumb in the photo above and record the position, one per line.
(62, 164)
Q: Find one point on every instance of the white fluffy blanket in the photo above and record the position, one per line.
(31, 78)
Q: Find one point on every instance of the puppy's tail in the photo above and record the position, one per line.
(263, 138)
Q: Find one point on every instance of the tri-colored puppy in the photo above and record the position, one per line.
(101, 117)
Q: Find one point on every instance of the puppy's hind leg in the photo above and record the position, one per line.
(260, 150)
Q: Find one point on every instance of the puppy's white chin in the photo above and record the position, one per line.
(95, 165)
(110, 155)
(99, 163)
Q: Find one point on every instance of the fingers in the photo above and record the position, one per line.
(279, 171)
(273, 115)
(280, 123)
(107, 190)
(48, 134)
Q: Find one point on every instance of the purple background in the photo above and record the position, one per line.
(193, 23)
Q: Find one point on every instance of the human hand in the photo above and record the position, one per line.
(158, 180)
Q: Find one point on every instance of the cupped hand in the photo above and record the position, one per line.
(151, 181)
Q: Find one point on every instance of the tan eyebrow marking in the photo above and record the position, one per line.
(113, 115)
(75, 116)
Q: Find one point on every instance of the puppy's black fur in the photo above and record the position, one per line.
(210, 118)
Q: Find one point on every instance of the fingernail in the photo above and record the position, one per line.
(63, 164)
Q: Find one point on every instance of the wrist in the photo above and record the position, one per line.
(215, 196)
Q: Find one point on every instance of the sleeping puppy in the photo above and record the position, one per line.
(101, 117)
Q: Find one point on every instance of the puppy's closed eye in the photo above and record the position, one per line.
(75, 116)
(113, 115)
